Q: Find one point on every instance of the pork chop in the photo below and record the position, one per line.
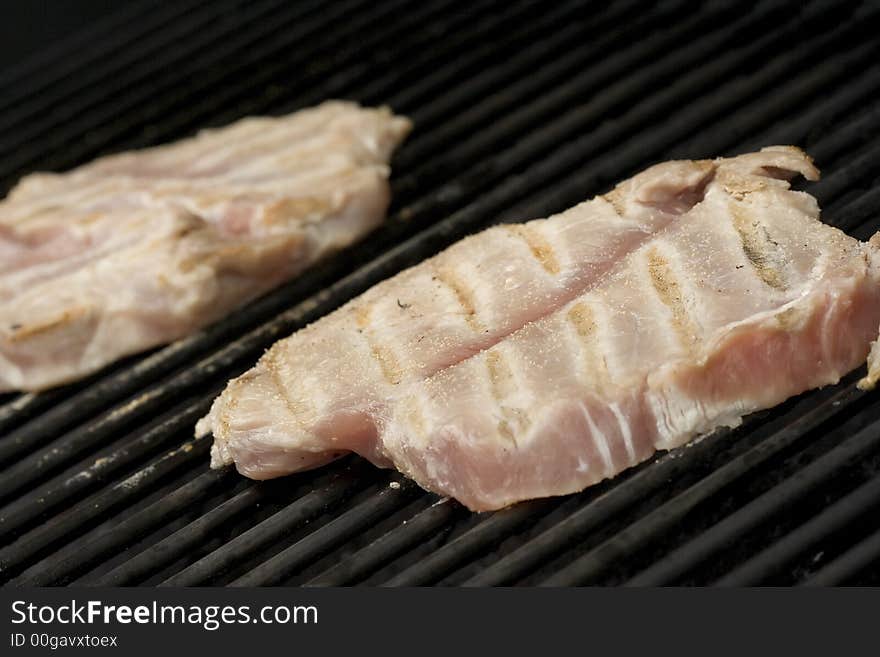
(139, 249)
(537, 359)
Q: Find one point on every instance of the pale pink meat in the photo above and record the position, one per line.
(537, 359)
(139, 249)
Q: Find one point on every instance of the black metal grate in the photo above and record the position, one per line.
(521, 108)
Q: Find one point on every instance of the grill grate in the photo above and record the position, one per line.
(521, 109)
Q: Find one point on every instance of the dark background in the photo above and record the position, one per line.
(28, 26)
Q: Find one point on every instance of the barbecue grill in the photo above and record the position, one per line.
(521, 109)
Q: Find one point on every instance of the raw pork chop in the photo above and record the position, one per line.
(536, 359)
(141, 248)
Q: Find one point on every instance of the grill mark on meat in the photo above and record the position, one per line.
(541, 249)
(759, 247)
(500, 375)
(739, 186)
(272, 368)
(790, 319)
(614, 199)
(26, 331)
(227, 411)
(502, 383)
(299, 210)
(388, 363)
(463, 295)
(415, 415)
(669, 291)
(506, 432)
(362, 316)
(582, 318)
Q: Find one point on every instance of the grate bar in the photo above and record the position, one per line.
(830, 149)
(418, 77)
(500, 88)
(211, 91)
(815, 120)
(318, 86)
(24, 473)
(96, 43)
(67, 146)
(84, 404)
(847, 566)
(529, 102)
(834, 518)
(473, 542)
(846, 175)
(39, 541)
(55, 108)
(285, 564)
(682, 122)
(274, 528)
(24, 406)
(745, 121)
(181, 542)
(855, 215)
(570, 128)
(385, 548)
(76, 557)
(434, 89)
(27, 510)
(762, 508)
(573, 118)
